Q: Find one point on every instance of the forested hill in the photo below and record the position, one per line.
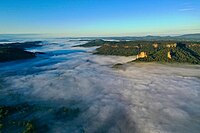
(16, 51)
(149, 51)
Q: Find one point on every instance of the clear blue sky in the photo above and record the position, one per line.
(100, 17)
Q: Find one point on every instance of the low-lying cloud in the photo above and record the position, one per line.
(142, 98)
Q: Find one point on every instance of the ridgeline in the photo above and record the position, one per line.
(16, 51)
(150, 51)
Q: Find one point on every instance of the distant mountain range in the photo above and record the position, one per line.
(190, 36)
(186, 37)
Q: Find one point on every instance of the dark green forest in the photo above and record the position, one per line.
(157, 51)
(16, 51)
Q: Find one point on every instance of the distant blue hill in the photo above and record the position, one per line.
(186, 37)
(191, 36)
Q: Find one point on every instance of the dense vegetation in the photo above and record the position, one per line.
(21, 45)
(10, 54)
(20, 118)
(183, 52)
(178, 55)
(16, 51)
(92, 43)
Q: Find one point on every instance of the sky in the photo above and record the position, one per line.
(100, 17)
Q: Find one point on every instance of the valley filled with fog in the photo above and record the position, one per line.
(136, 97)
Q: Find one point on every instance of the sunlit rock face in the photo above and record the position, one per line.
(169, 55)
(155, 45)
(171, 45)
(140, 98)
(142, 55)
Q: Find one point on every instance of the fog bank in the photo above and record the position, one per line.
(140, 98)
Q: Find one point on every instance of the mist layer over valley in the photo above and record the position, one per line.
(68, 89)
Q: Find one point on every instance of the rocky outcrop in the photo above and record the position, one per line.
(169, 55)
(155, 45)
(142, 55)
(171, 45)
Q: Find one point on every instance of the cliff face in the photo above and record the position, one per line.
(155, 45)
(171, 45)
(142, 55)
(169, 55)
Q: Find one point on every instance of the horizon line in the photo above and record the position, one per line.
(63, 35)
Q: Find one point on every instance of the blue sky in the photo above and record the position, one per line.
(100, 17)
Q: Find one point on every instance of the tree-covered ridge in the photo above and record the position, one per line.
(21, 45)
(159, 51)
(93, 43)
(10, 54)
(16, 51)
(178, 54)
